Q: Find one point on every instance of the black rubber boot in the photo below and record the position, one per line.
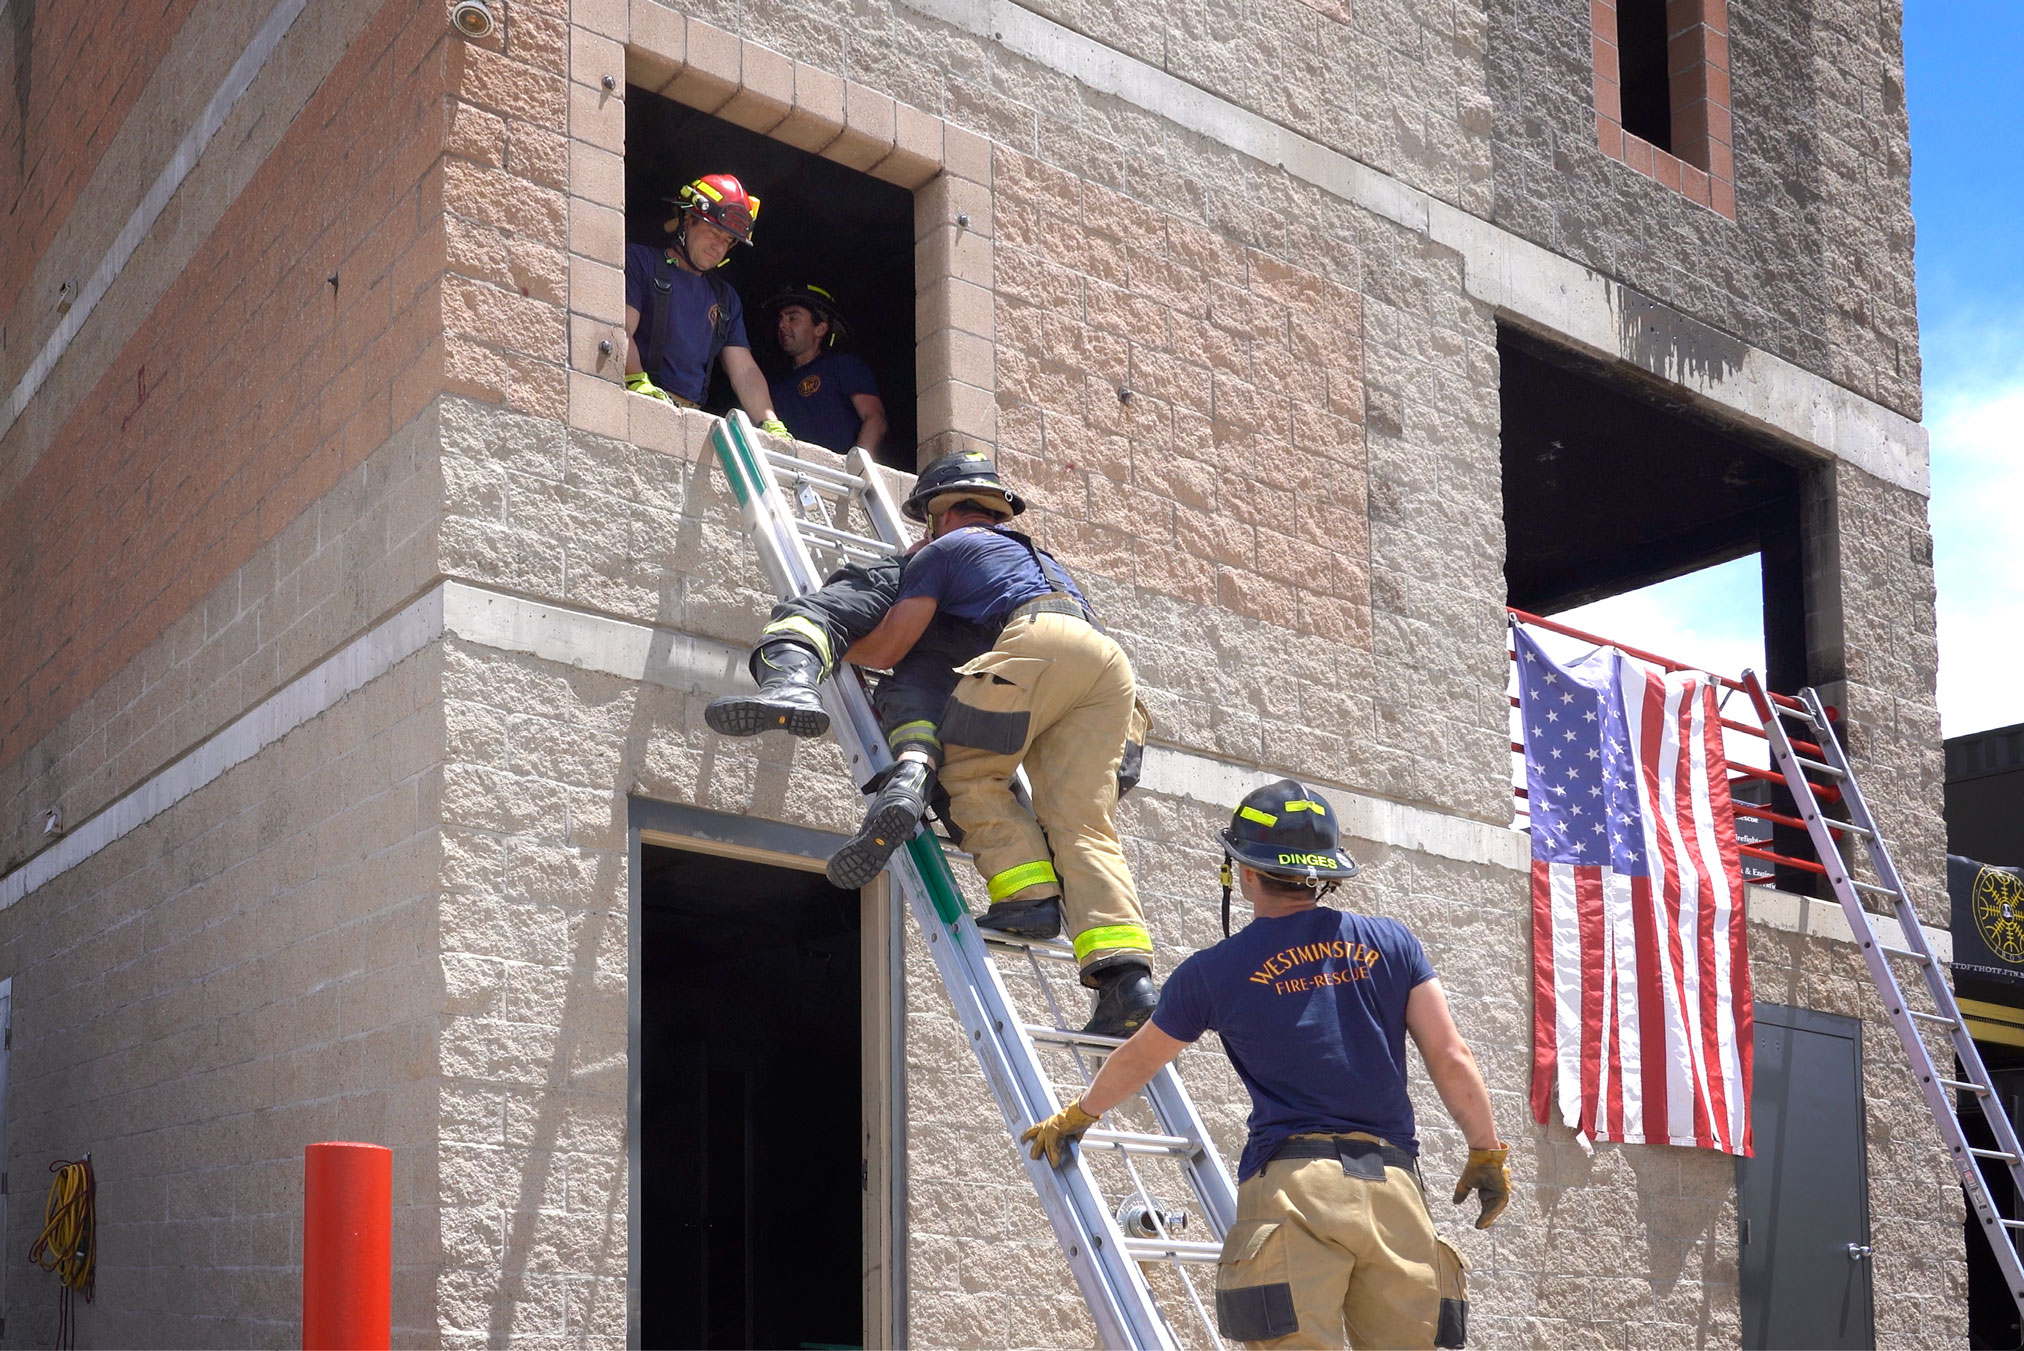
(1024, 919)
(889, 822)
(1125, 996)
(786, 698)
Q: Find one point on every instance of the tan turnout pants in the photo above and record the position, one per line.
(1319, 1258)
(1055, 695)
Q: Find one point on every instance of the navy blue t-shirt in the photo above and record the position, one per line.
(977, 574)
(815, 400)
(1312, 1011)
(685, 357)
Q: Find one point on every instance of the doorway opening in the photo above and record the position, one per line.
(1612, 488)
(755, 1170)
(818, 222)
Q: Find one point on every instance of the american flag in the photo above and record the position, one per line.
(1641, 1024)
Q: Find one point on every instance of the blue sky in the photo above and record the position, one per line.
(1964, 78)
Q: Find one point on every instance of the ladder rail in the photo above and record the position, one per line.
(1877, 957)
(1105, 1264)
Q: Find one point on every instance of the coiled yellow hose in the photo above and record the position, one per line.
(68, 1244)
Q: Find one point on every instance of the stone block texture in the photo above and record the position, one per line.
(1816, 265)
(355, 368)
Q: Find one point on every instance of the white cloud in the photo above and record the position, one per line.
(1976, 419)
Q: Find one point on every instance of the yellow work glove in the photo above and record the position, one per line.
(639, 383)
(1053, 1136)
(773, 426)
(1490, 1177)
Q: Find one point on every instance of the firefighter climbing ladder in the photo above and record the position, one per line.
(1933, 1081)
(797, 513)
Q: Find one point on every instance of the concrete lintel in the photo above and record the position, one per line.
(1524, 282)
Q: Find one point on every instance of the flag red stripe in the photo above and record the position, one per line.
(1703, 700)
(1545, 1047)
(1588, 906)
(1708, 1054)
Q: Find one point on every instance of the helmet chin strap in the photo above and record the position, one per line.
(682, 243)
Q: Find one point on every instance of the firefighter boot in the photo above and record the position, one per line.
(788, 676)
(1125, 996)
(1024, 919)
(889, 822)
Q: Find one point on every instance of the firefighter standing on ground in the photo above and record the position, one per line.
(681, 319)
(1332, 1240)
(1053, 694)
(830, 397)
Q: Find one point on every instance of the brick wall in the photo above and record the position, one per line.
(50, 140)
(251, 388)
(358, 553)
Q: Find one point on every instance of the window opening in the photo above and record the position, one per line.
(818, 222)
(1642, 56)
(1625, 512)
(752, 1182)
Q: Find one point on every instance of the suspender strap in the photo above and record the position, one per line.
(662, 303)
(1056, 575)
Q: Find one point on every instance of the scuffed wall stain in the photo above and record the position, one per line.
(1664, 342)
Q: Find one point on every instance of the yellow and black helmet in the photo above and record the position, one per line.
(817, 301)
(1287, 830)
(960, 473)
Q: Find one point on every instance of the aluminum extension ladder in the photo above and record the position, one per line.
(1933, 1082)
(798, 514)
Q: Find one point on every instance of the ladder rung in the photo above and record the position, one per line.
(1996, 1154)
(1817, 767)
(1933, 1018)
(830, 532)
(2012, 1224)
(1040, 947)
(1918, 957)
(1160, 1249)
(1142, 1142)
(1061, 1036)
(821, 473)
(1964, 1086)
(1873, 888)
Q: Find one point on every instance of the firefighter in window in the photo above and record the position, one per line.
(682, 320)
(828, 397)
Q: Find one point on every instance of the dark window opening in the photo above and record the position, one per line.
(818, 222)
(751, 1175)
(1642, 53)
(1611, 486)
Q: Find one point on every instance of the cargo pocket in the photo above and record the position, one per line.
(1451, 1273)
(1254, 1298)
(991, 709)
(1132, 764)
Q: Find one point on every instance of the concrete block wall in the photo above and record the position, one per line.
(245, 974)
(1294, 523)
(1816, 263)
(243, 394)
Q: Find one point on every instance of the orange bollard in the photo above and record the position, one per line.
(347, 1247)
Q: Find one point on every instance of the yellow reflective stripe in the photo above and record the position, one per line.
(1303, 805)
(921, 729)
(802, 628)
(1019, 878)
(1133, 937)
(1253, 814)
